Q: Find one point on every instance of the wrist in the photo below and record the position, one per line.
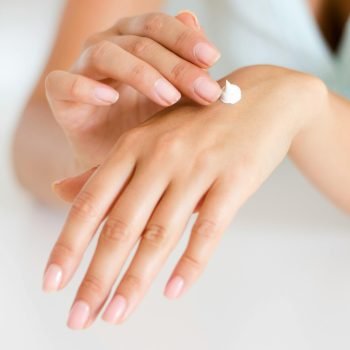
(317, 110)
(317, 103)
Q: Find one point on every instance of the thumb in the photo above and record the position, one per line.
(68, 188)
(190, 19)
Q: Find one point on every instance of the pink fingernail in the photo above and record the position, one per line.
(207, 89)
(115, 309)
(166, 92)
(174, 287)
(52, 278)
(106, 95)
(78, 315)
(206, 54)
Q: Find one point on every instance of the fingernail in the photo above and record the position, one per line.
(174, 287)
(78, 315)
(207, 89)
(106, 95)
(167, 92)
(193, 17)
(52, 278)
(115, 309)
(206, 54)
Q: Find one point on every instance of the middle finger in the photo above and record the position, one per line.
(188, 78)
(120, 233)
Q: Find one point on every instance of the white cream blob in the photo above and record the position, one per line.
(231, 94)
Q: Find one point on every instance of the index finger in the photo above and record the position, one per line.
(171, 33)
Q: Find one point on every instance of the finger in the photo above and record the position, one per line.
(189, 19)
(122, 229)
(107, 60)
(162, 233)
(68, 188)
(87, 212)
(188, 78)
(218, 209)
(186, 42)
(63, 86)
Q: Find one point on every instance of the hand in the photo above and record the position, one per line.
(156, 175)
(137, 63)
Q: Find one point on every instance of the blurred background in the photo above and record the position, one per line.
(279, 280)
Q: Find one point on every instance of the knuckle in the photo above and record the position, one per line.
(92, 285)
(183, 38)
(156, 235)
(131, 138)
(62, 251)
(206, 229)
(98, 53)
(179, 71)
(140, 45)
(92, 40)
(192, 262)
(83, 206)
(243, 170)
(132, 282)
(204, 161)
(153, 23)
(138, 72)
(169, 144)
(115, 231)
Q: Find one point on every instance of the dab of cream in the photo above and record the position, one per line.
(231, 94)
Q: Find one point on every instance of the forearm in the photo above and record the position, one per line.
(322, 151)
(41, 153)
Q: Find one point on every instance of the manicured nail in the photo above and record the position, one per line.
(207, 89)
(78, 315)
(167, 92)
(52, 278)
(206, 54)
(115, 309)
(106, 95)
(174, 287)
(191, 15)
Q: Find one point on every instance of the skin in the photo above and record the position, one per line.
(51, 156)
(227, 164)
(91, 124)
(238, 148)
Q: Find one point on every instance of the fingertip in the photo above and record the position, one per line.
(106, 95)
(166, 93)
(189, 18)
(174, 287)
(52, 278)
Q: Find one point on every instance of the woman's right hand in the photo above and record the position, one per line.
(125, 75)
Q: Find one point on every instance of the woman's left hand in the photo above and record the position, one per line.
(158, 173)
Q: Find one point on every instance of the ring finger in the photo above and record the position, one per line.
(188, 78)
(162, 233)
(124, 225)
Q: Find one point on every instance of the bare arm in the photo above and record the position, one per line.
(322, 152)
(41, 153)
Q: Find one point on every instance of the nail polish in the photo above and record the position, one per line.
(52, 278)
(79, 315)
(167, 92)
(106, 95)
(206, 54)
(207, 89)
(115, 309)
(174, 287)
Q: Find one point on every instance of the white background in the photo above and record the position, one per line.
(279, 280)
